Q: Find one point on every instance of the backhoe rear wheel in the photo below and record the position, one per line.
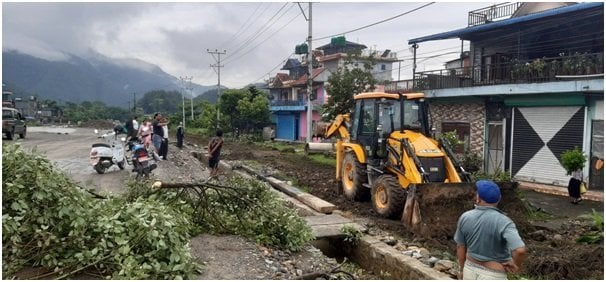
(353, 178)
(388, 197)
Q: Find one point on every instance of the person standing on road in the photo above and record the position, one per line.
(488, 243)
(135, 127)
(158, 133)
(214, 151)
(180, 135)
(145, 132)
(574, 186)
(164, 146)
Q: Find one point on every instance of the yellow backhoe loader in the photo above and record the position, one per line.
(385, 151)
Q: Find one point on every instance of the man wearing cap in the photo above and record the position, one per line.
(488, 243)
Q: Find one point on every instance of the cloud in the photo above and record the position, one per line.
(256, 35)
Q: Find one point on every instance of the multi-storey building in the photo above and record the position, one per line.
(288, 91)
(534, 87)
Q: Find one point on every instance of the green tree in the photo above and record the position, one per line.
(161, 101)
(345, 83)
(247, 109)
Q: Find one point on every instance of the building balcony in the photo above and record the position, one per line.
(287, 103)
(577, 66)
(492, 13)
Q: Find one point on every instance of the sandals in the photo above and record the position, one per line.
(576, 201)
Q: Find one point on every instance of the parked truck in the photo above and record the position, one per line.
(13, 122)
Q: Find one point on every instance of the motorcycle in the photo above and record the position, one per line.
(140, 158)
(104, 155)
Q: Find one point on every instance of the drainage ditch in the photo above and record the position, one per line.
(370, 253)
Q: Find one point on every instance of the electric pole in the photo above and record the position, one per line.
(183, 79)
(309, 79)
(219, 66)
(191, 95)
(134, 102)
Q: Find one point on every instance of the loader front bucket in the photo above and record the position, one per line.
(433, 209)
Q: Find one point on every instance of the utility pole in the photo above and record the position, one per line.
(191, 95)
(219, 66)
(134, 102)
(183, 79)
(309, 78)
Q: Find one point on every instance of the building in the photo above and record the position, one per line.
(534, 88)
(288, 91)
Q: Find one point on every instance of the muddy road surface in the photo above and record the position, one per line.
(69, 149)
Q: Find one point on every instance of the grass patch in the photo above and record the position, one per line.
(322, 159)
(539, 215)
(253, 164)
(282, 146)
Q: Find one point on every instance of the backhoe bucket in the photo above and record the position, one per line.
(433, 209)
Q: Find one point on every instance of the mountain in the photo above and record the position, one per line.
(91, 78)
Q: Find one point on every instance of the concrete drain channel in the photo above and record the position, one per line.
(369, 253)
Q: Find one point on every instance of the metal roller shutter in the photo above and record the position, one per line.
(285, 127)
(540, 135)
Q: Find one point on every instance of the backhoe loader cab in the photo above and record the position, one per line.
(377, 115)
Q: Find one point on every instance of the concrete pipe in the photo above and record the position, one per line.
(319, 148)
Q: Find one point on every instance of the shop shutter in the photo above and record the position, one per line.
(540, 135)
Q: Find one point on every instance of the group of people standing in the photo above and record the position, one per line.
(154, 132)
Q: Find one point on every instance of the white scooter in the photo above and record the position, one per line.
(104, 155)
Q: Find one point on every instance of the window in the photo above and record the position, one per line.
(368, 118)
(462, 129)
(411, 115)
(7, 114)
(389, 115)
(383, 67)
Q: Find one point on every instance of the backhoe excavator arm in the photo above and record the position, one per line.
(338, 125)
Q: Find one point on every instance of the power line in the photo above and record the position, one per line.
(250, 49)
(244, 25)
(264, 28)
(376, 23)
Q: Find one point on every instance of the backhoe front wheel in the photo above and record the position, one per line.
(388, 197)
(353, 178)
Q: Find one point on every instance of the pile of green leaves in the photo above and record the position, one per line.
(248, 208)
(48, 221)
(237, 206)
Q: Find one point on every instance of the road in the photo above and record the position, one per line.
(68, 149)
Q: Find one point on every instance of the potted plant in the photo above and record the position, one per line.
(573, 160)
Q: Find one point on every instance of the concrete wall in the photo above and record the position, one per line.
(373, 254)
(472, 113)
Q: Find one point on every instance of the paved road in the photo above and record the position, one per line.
(69, 149)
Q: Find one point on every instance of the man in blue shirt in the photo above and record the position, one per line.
(488, 243)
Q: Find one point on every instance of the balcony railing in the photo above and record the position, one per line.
(287, 103)
(515, 71)
(495, 12)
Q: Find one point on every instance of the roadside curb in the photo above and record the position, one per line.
(560, 191)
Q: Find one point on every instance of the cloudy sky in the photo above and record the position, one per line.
(256, 36)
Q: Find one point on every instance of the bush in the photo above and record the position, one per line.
(48, 221)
